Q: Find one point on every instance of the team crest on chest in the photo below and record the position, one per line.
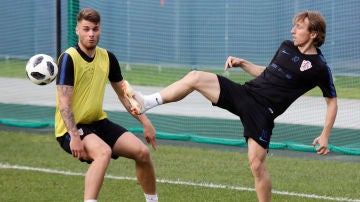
(305, 65)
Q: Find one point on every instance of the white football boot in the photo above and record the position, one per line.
(136, 99)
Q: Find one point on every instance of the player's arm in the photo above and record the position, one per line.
(249, 67)
(116, 80)
(64, 94)
(323, 139)
(65, 89)
(149, 130)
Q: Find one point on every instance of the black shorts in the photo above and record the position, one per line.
(108, 131)
(257, 118)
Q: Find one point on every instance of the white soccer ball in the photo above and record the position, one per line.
(41, 69)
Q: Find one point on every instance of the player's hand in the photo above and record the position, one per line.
(232, 62)
(150, 135)
(321, 145)
(77, 148)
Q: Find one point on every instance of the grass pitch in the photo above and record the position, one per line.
(34, 168)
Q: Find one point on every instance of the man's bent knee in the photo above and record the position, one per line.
(195, 75)
(103, 153)
(143, 155)
(257, 167)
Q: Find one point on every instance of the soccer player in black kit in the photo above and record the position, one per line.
(297, 67)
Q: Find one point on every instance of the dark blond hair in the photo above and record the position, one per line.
(88, 14)
(317, 24)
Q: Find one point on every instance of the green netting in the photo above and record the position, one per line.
(286, 136)
(182, 32)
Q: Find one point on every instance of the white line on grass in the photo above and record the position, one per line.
(209, 185)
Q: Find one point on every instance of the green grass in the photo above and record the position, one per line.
(347, 86)
(174, 163)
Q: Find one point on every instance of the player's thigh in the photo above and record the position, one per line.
(207, 84)
(256, 154)
(129, 146)
(95, 147)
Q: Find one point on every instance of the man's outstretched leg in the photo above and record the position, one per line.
(204, 82)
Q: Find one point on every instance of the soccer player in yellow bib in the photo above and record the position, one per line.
(81, 125)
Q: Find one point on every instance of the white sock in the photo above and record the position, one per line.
(91, 200)
(152, 100)
(151, 198)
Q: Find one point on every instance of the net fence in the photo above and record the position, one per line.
(158, 42)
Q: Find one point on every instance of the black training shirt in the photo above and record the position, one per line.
(289, 75)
